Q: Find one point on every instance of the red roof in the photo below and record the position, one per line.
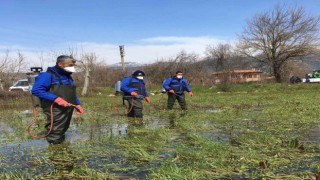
(247, 71)
(239, 71)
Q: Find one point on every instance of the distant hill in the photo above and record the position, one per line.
(128, 65)
(313, 62)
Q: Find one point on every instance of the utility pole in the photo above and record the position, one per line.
(122, 58)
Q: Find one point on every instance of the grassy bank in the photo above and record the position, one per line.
(251, 131)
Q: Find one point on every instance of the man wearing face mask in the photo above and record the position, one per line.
(134, 89)
(56, 87)
(175, 87)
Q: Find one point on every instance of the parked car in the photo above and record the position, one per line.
(21, 85)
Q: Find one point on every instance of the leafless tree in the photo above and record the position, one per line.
(16, 65)
(221, 56)
(160, 70)
(4, 65)
(279, 36)
(41, 59)
(86, 64)
(4, 62)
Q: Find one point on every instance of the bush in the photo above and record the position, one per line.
(5, 95)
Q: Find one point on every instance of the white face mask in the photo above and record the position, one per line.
(140, 77)
(71, 69)
(179, 77)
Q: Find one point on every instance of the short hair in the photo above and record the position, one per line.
(179, 72)
(64, 58)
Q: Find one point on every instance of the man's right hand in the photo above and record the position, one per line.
(171, 91)
(61, 102)
(134, 94)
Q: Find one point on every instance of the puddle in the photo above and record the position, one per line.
(22, 158)
(4, 130)
(15, 158)
(218, 136)
(156, 122)
(312, 135)
(215, 135)
(123, 171)
(300, 166)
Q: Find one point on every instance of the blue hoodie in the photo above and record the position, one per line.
(178, 85)
(130, 84)
(43, 83)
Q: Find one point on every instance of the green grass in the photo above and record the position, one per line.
(255, 131)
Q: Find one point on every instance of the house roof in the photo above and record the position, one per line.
(247, 71)
(239, 71)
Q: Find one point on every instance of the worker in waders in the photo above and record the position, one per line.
(175, 87)
(56, 87)
(134, 89)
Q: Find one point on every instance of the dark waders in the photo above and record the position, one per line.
(136, 110)
(173, 97)
(61, 115)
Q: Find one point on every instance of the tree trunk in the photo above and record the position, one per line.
(86, 82)
(1, 85)
(277, 73)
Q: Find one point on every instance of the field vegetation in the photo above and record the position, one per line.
(250, 131)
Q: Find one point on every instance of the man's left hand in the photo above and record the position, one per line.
(79, 110)
(148, 100)
(190, 93)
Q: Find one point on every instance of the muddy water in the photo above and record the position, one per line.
(312, 134)
(37, 157)
(31, 156)
(4, 130)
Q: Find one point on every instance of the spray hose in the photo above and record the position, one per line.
(36, 118)
(123, 104)
(178, 95)
(131, 105)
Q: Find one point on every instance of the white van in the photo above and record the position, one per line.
(21, 85)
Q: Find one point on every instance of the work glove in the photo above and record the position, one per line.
(61, 102)
(134, 93)
(79, 110)
(171, 91)
(190, 93)
(148, 100)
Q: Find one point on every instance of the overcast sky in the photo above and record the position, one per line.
(149, 29)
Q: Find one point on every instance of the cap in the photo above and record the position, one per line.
(138, 73)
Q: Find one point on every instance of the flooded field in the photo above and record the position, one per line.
(268, 134)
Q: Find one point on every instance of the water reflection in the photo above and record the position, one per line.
(23, 157)
(112, 129)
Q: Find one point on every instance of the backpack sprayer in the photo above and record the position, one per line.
(37, 103)
(31, 76)
(117, 88)
(31, 79)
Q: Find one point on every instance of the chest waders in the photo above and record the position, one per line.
(58, 117)
(178, 87)
(135, 103)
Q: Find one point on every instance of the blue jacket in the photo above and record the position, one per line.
(130, 84)
(43, 83)
(178, 85)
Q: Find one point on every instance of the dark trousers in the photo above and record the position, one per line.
(173, 97)
(61, 122)
(136, 110)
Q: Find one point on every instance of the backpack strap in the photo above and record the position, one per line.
(55, 74)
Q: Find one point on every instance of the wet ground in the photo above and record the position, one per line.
(34, 156)
(29, 156)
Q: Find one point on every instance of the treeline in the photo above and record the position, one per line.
(281, 42)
